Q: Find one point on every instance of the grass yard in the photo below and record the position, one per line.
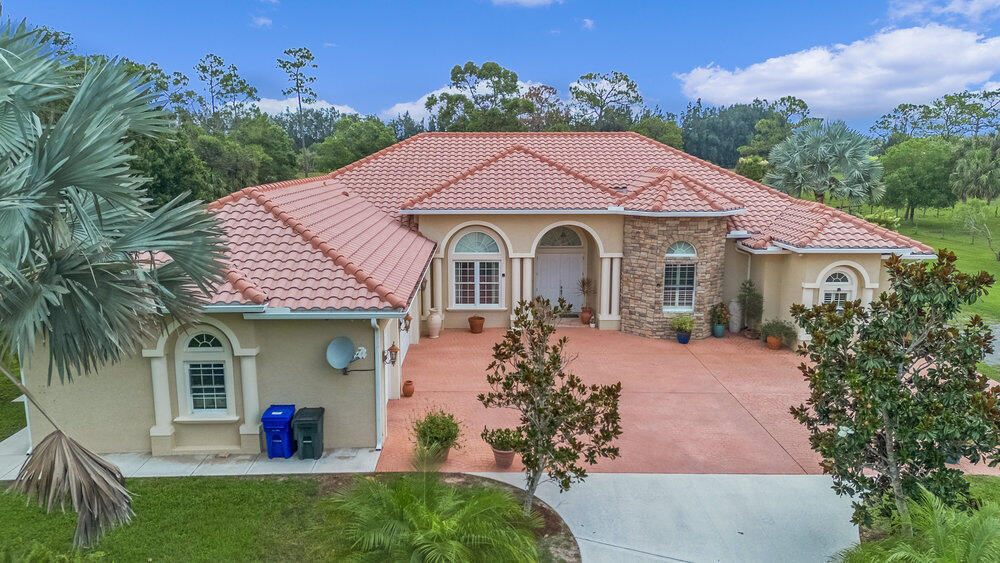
(11, 413)
(219, 519)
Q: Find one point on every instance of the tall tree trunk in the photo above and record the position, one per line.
(302, 137)
(534, 479)
(892, 467)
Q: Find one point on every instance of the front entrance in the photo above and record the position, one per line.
(558, 274)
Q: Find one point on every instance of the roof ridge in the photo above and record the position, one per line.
(635, 193)
(374, 155)
(562, 167)
(460, 176)
(242, 283)
(240, 194)
(820, 225)
(339, 259)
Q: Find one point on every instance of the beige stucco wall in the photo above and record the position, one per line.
(112, 410)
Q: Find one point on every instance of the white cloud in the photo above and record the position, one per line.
(588, 24)
(973, 10)
(273, 106)
(526, 3)
(260, 21)
(861, 79)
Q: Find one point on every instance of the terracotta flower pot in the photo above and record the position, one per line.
(502, 458)
(773, 342)
(434, 323)
(476, 324)
(408, 388)
(586, 313)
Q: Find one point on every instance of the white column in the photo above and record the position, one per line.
(867, 294)
(438, 281)
(161, 398)
(616, 287)
(251, 402)
(425, 299)
(515, 283)
(526, 266)
(605, 288)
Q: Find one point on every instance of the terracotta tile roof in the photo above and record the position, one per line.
(628, 163)
(310, 244)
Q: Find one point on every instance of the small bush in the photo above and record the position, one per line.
(781, 330)
(719, 314)
(751, 304)
(884, 218)
(503, 439)
(753, 167)
(683, 324)
(437, 430)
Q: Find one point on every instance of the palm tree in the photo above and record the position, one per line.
(977, 173)
(85, 268)
(826, 159)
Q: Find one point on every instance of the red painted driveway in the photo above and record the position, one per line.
(712, 406)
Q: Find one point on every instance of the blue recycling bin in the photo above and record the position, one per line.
(277, 423)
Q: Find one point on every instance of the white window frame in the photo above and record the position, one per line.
(186, 356)
(694, 288)
(477, 259)
(849, 288)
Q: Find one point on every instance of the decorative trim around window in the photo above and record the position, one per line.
(204, 371)
(477, 272)
(678, 287)
(839, 287)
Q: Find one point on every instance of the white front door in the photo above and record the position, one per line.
(557, 275)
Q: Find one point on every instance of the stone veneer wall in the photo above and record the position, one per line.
(646, 243)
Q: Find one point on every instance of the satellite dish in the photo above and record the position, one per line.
(340, 352)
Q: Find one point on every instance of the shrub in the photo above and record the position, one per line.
(683, 324)
(884, 218)
(751, 304)
(503, 439)
(419, 518)
(940, 533)
(781, 330)
(437, 430)
(719, 314)
(753, 167)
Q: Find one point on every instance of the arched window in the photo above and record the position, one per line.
(561, 237)
(839, 288)
(679, 277)
(477, 270)
(204, 369)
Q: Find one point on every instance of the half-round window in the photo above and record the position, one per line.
(561, 237)
(681, 249)
(477, 242)
(204, 341)
(838, 278)
(838, 288)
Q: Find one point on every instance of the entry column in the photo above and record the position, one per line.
(605, 288)
(527, 267)
(515, 284)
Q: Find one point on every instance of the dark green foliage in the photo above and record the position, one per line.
(353, 138)
(659, 129)
(420, 518)
(489, 99)
(716, 133)
(404, 126)
(231, 166)
(786, 115)
(437, 430)
(751, 304)
(605, 101)
(316, 124)
(782, 330)
(894, 387)
(976, 173)
(682, 324)
(504, 439)
(172, 167)
(278, 162)
(916, 174)
(753, 167)
(565, 423)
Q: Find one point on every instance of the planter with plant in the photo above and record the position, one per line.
(752, 307)
(436, 434)
(777, 333)
(503, 441)
(476, 324)
(719, 315)
(683, 325)
(585, 287)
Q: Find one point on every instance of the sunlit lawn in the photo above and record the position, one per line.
(11, 413)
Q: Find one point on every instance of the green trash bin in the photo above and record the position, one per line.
(307, 426)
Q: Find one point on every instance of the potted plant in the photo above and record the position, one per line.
(585, 287)
(476, 323)
(437, 433)
(683, 325)
(751, 306)
(719, 315)
(503, 441)
(777, 333)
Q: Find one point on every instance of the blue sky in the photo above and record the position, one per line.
(849, 59)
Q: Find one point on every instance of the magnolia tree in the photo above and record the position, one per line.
(894, 389)
(564, 423)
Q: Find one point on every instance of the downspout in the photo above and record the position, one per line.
(379, 403)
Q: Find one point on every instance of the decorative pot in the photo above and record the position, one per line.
(735, 320)
(773, 342)
(408, 388)
(503, 458)
(476, 324)
(593, 324)
(434, 323)
(718, 331)
(586, 313)
(683, 337)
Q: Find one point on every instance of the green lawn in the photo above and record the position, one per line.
(11, 414)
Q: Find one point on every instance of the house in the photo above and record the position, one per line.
(463, 223)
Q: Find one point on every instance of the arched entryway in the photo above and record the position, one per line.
(560, 264)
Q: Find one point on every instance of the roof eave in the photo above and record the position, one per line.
(585, 211)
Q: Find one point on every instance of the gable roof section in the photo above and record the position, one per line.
(310, 244)
(424, 169)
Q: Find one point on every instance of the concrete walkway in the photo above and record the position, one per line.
(348, 460)
(745, 518)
